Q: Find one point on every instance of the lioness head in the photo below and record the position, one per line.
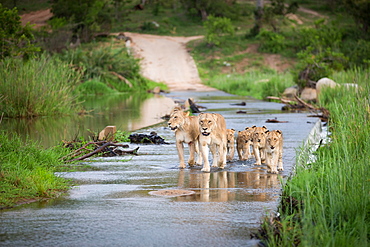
(177, 118)
(207, 122)
(259, 134)
(273, 138)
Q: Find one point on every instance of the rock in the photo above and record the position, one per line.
(308, 94)
(107, 133)
(290, 92)
(325, 82)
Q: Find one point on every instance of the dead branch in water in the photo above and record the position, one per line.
(100, 147)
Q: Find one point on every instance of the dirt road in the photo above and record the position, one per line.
(165, 59)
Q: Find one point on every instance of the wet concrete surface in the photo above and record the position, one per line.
(116, 204)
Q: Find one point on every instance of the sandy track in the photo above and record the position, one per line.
(165, 59)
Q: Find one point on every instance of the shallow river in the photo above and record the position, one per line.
(114, 205)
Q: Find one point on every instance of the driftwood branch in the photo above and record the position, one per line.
(100, 147)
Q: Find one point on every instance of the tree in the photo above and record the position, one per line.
(15, 40)
(216, 27)
(360, 11)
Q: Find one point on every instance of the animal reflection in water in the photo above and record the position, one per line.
(208, 132)
(222, 186)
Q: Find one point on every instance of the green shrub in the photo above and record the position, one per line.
(38, 87)
(15, 40)
(314, 65)
(112, 66)
(216, 27)
(93, 86)
(271, 42)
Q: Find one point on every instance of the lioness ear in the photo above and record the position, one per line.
(233, 130)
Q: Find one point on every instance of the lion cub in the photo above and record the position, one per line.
(274, 151)
(186, 130)
(230, 144)
(244, 143)
(212, 137)
(259, 144)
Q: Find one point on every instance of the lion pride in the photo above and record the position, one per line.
(212, 137)
(186, 130)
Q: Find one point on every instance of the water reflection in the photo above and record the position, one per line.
(223, 186)
(127, 111)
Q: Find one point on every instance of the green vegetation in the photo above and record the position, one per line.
(27, 172)
(40, 86)
(326, 202)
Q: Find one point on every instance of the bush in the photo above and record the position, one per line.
(216, 27)
(107, 65)
(271, 42)
(15, 40)
(93, 87)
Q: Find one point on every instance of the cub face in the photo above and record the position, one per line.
(177, 119)
(273, 139)
(207, 123)
(259, 134)
(230, 134)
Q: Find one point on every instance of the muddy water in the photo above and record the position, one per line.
(114, 205)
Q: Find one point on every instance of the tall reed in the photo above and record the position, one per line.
(333, 191)
(38, 87)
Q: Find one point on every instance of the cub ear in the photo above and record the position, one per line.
(267, 131)
(279, 131)
(254, 126)
(246, 128)
(264, 127)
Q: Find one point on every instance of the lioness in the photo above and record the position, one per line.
(274, 151)
(244, 143)
(259, 143)
(230, 133)
(212, 134)
(186, 130)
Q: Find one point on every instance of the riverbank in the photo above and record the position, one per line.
(326, 202)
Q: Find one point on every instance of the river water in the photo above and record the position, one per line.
(114, 205)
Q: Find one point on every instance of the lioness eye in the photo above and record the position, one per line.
(209, 122)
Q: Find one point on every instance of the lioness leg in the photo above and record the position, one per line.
(191, 160)
(222, 156)
(215, 157)
(199, 155)
(180, 153)
(280, 161)
(257, 156)
(204, 149)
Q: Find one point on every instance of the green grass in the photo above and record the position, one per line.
(257, 84)
(27, 171)
(38, 87)
(333, 191)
